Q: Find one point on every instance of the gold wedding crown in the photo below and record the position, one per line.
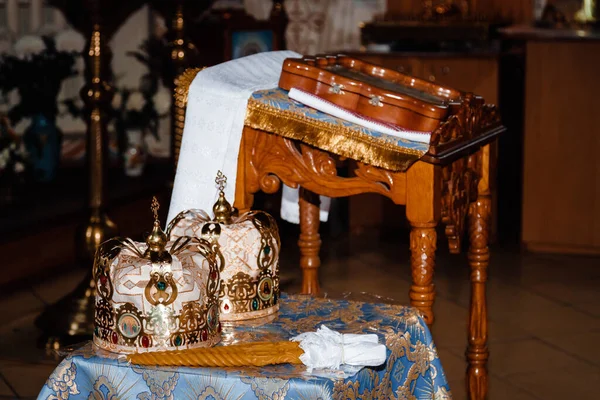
(158, 295)
(250, 246)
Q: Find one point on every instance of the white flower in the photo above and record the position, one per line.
(116, 101)
(70, 40)
(3, 158)
(135, 101)
(62, 108)
(29, 45)
(162, 100)
(21, 150)
(19, 167)
(22, 125)
(14, 97)
(6, 45)
(9, 100)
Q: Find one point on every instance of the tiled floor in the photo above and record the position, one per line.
(544, 316)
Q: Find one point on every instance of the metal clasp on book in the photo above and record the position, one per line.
(336, 88)
(376, 100)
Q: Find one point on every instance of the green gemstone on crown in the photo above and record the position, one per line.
(177, 341)
(161, 285)
(255, 304)
(267, 250)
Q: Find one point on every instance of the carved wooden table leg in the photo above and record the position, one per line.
(423, 213)
(422, 263)
(479, 255)
(310, 241)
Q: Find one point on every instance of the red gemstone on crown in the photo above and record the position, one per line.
(115, 338)
(145, 341)
(103, 280)
(204, 335)
(213, 275)
(226, 307)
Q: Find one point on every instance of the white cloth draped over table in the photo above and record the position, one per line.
(214, 122)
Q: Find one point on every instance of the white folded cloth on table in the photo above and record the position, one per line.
(328, 107)
(329, 349)
(214, 121)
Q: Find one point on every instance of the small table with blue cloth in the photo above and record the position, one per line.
(412, 368)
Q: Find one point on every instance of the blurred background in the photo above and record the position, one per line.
(89, 126)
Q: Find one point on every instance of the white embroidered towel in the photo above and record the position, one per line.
(214, 121)
(330, 349)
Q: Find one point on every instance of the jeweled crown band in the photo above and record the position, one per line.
(151, 320)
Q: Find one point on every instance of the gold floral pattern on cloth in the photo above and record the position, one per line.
(143, 305)
(62, 381)
(161, 384)
(268, 388)
(412, 369)
(250, 248)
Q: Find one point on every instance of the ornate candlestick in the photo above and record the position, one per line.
(97, 95)
(71, 318)
(184, 54)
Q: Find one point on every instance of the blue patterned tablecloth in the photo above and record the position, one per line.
(412, 370)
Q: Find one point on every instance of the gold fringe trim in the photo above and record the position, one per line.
(184, 81)
(256, 354)
(333, 138)
(182, 89)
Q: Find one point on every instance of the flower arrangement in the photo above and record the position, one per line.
(36, 71)
(141, 109)
(138, 110)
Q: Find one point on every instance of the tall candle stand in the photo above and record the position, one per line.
(183, 54)
(71, 319)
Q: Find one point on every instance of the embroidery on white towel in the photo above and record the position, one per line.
(217, 101)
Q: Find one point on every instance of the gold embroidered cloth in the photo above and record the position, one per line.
(273, 111)
(412, 370)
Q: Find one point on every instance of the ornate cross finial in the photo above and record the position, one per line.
(155, 206)
(221, 181)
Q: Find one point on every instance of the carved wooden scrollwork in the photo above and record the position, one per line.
(423, 245)
(272, 159)
(473, 117)
(459, 189)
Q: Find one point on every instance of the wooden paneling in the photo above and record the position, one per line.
(519, 11)
(477, 75)
(561, 204)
